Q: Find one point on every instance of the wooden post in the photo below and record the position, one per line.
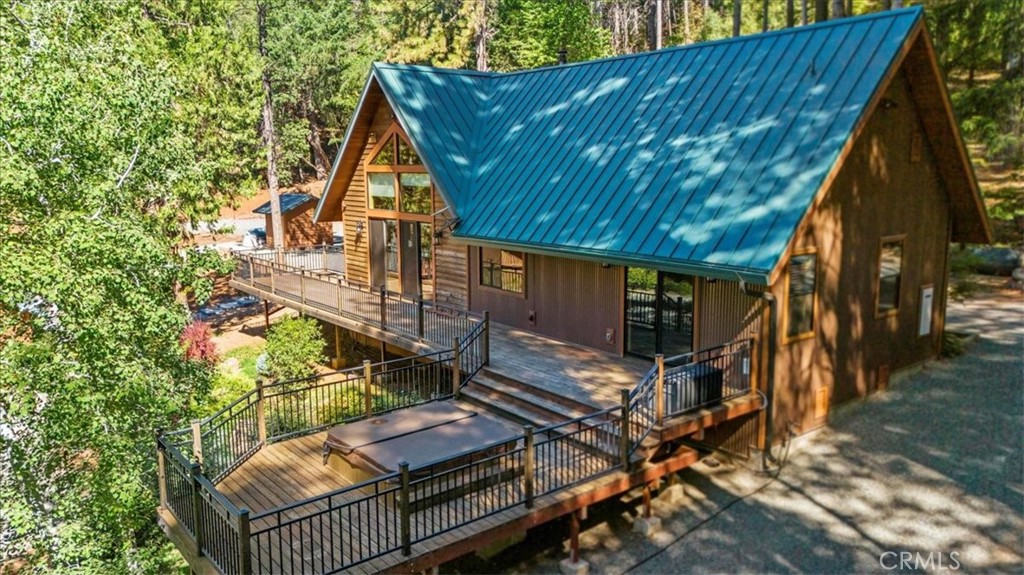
(528, 472)
(337, 347)
(659, 390)
(404, 509)
(273, 269)
(252, 270)
(302, 286)
(197, 441)
(456, 367)
(266, 317)
(341, 299)
(647, 500)
(261, 412)
(368, 387)
(419, 317)
(244, 549)
(161, 469)
(197, 507)
(323, 256)
(624, 431)
(574, 537)
(487, 338)
(383, 308)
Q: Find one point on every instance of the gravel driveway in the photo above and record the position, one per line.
(933, 466)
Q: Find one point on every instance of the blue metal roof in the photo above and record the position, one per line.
(289, 202)
(702, 158)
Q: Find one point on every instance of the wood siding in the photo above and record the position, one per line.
(879, 192)
(572, 300)
(357, 255)
(451, 262)
(299, 229)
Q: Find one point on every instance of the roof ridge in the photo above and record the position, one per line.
(918, 10)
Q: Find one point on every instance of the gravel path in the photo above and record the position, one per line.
(933, 466)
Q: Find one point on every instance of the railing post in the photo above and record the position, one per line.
(161, 469)
(244, 549)
(404, 509)
(383, 308)
(528, 472)
(197, 507)
(368, 387)
(341, 299)
(323, 256)
(197, 441)
(261, 411)
(302, 286)
(273, 269)
(624, 431)
(252, 270)
(456, 367)
(487, 338)
(419, 317)
(659, 390)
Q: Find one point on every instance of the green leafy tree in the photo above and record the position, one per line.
(295, 347)
(529, 34)
(97, 171)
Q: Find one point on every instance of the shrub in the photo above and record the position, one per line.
(197, 339)
(294, 348)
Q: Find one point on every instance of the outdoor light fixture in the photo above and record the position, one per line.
(438, 235)
(359, 227)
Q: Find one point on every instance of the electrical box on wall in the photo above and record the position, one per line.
(609, 336)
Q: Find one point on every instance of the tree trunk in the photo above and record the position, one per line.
(483, 33)
(269, 139)
(790, 13)
(686, 21)
(838, 9)
(897, 4)
(849, 7)
(737, 17)
(803, 12)
(820, 10)
(657, 25)
(764, 17)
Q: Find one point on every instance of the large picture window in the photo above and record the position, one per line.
(890, 273)
(800, 290)
(382, 192)
(502, 269)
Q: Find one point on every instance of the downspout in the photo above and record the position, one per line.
(769, 394)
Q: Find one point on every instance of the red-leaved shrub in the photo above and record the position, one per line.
(197, 338)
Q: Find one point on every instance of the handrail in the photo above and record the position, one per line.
(507, 472)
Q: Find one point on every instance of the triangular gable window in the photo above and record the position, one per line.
(406, 155)
(386, 155)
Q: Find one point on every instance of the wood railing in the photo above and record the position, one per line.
(347, 527)
(327, 291)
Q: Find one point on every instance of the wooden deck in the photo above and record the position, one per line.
(293, 471)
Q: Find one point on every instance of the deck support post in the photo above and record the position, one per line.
(161, 469)
(197, 507)
(529, 467)
(456, 367)
(624, 431)
(261, 412)
(659, 390)
(337, 348)
(383, 308)
(244, 543)
(404, 509)
(197, 441)
(368, 387)
(574, 537)
(419, 317)
(487, 338)
(647, 500)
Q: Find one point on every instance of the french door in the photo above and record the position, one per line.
(401, 256)
(659, 313)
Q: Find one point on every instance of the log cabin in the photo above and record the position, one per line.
(635, 259)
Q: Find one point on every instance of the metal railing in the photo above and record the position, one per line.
(691, 382)
(350, 526)
(330, 292)
(325, 258)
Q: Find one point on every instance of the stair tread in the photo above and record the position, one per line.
(541, 402)
(495, 374)
(483, 397)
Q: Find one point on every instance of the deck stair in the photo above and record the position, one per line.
(530, 405)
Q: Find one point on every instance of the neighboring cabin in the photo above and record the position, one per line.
(297, 219)
(620, 203)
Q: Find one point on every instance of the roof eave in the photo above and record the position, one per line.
(702, 269)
